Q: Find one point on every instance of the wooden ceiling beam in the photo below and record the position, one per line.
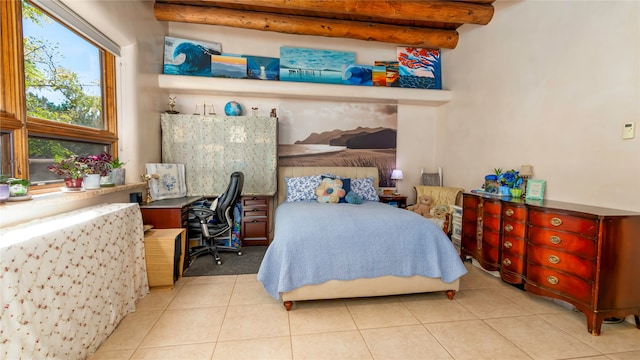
(301, 25)
(421, 10)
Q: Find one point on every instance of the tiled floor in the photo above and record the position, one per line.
(232, 317)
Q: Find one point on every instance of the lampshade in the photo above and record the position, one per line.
(396, 174)
(526, 170)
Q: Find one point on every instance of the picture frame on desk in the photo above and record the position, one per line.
(535, 189)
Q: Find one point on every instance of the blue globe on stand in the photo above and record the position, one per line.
(232, 108)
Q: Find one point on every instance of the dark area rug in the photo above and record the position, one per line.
(232, 264)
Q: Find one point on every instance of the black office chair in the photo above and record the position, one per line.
(211, 225)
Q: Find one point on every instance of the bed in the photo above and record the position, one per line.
(345, 250)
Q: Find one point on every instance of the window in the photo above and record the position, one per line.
(59, 96)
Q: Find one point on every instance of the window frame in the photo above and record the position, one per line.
(13, 112)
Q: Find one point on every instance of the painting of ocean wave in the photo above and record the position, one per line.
(188, 57)
(312, 65)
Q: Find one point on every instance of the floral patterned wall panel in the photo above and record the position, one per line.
(213, 147)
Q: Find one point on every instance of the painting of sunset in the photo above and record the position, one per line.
(228, 66)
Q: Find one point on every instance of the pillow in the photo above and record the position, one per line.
(301, 188)
(346, 184)
(353, 198)
(364, 187)
(330, 191)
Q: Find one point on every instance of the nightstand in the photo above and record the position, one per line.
(394, 200)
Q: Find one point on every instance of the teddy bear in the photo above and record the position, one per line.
(423, 206)
(330, 190)
(440, 212)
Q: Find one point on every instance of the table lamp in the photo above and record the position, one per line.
(526, 171)
(396, 175)
(146, 177)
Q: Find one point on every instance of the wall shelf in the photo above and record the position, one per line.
(298, 90)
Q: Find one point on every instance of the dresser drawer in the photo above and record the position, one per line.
(512, 263)
(513, 245)
(563, 222)
(491, 207)
(470, 202)
(491, 238)
(561, 261)
(514, 228)
(567, 242)
(490, 256)
(491, 222)
(255, 201)
(514, 213)
(560, 283)
(254, 212)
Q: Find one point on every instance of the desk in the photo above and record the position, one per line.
(170, 214)
(68, 280)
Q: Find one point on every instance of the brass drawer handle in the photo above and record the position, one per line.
(555, 221)
(506, 262)
(552, 280)
(508, 244)
(553, 259)
(509, 212)
(508, 228)
(555, 240)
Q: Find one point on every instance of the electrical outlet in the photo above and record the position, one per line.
(628, 130)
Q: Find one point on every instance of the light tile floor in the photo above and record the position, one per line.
(232, 317)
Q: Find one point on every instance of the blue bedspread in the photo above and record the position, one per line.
(315, 242)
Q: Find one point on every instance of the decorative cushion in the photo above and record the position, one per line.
(330, 190)
(346, 184)
(353, 198)
(301, 188)
(364, 187)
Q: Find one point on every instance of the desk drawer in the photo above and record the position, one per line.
(255, 201)
(255, 212)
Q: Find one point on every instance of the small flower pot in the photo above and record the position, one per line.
(73, 183)
(516, 192)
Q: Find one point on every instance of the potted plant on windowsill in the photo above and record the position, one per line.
(70, 169)
(116, 175)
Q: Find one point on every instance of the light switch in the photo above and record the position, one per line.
(629, 130)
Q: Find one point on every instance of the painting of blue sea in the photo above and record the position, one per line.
(262, 68)
(228, 66)
(355, 74)
(188, 57)
(419, 68)
(311, 65)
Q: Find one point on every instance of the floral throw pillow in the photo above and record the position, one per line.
(364, 187)
(331, 191)
(301, 188)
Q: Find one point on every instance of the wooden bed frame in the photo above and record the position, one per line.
(338, 289)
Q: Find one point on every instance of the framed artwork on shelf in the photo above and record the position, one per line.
(535, 189)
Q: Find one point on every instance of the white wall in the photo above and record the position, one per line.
(548, 83)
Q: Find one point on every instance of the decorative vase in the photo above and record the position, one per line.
(117, 176)
(4, 192)
(516, 192)
(92, 181)
(73, 183)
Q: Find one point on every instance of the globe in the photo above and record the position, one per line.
(232, 108)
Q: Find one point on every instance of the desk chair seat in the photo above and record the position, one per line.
(212, 222)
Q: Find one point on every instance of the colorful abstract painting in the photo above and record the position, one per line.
(228, 66)
(379, 76)
(419, 68)
(393, 77)
(311, 65)
(188, 57)
(355, 74)
(262, 68)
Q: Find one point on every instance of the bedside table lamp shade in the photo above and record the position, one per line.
(526, 171)
(396, 175)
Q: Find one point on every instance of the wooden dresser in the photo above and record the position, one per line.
(256, 220)
(585, 255)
